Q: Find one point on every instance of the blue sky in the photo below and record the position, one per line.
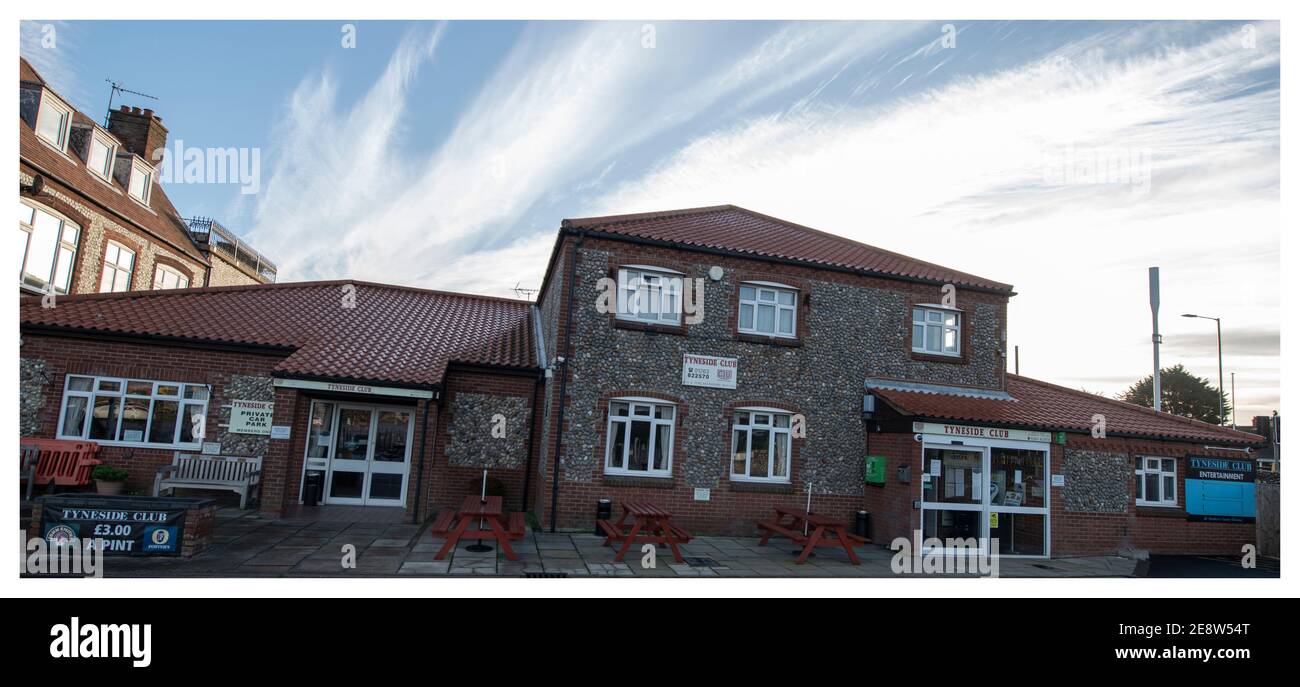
(445, 155)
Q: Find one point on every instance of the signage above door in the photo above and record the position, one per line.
(353, 388)
(973, 432)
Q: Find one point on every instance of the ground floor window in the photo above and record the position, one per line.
(133, 411)
(1157, 480)
(760, 445)
(640, 438)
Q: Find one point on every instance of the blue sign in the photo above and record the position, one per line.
(160, 539)
(1220, 489)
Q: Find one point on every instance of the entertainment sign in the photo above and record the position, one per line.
(1220, 489)
(972, 432)
(709, 370)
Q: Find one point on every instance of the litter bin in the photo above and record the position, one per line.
(862, 524)
(603, 511)
(312, 487)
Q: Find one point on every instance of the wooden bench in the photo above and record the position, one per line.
(31, 455)
(240, 474)
(772, 527)
(443, 523)
(516, 524)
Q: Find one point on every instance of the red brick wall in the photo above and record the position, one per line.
(65, 356)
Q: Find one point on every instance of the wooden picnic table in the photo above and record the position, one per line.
(650, 525)
(479, 511)
(823, 531)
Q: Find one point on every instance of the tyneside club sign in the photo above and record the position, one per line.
(709, 370)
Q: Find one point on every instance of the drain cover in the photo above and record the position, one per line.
(700, 562)
(546, 574)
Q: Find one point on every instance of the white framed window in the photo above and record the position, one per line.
(640, 438)
(141, 181)
(46, 248)
(118, 264)
(653, 296)
(100, 158)
(1157, 482)
(54, 121)
(165, 277)
(133, 412)
(760, 445)
(767, 309)
(936, 330)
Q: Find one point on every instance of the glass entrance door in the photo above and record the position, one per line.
(993, 492)
(369, 456)
(951, 503)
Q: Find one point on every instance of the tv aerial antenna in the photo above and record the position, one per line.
(116, 88)
(526, 294)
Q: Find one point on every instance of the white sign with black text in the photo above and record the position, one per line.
(709, 370)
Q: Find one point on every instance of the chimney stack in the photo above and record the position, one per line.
(141, 131)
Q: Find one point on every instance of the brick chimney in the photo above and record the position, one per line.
(141, 131)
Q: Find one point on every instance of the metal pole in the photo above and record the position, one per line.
(1153, 275)
(1219, 331)
(1234, 400)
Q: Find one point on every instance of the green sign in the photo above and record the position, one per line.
(1060, 438)
(875, 472)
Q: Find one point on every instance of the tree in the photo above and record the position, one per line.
(1181, 393)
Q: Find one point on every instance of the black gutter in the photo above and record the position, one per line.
(419, 480)
(564, 379)
(659, 243)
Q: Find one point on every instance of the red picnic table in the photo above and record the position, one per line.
(480, 512)
(825, 531)
(653, 525)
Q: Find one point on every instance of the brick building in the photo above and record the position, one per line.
(93, 216)
(715, 361)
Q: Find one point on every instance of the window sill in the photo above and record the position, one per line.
(643, 481)
(939, 358)
(631, 325)
(1153, 511)
(773, 339)
(135, 444)
(756, 487)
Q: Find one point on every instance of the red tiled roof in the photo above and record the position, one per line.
(730, 228)
(1040, 405)
(163, 222)
(393, 334)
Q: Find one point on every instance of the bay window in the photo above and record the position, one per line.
(649, 296)
(767, 309)
(1157, 480)
(936, 330)
(46, 249)
(133, 411)
(640, 438)
(119, 261)
(760, 445)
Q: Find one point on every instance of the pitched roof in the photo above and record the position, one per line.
(1040, 405)
(735, 229)
(393, 334)
(159, 219)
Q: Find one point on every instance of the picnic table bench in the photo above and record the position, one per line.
(454, 525)
(651, 525)
(239, 474)
(823, 531)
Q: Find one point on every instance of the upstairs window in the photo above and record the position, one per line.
(760, 446)
(133, 411)
(141, 180)
(53, 121)
(119, 262)
(100, 159)
(640, 438)
(936, 330)
(46, 249)
(767, 310)
(1157, 482)
(649, 296)
(165, 277)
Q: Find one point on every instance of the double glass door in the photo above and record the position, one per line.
(365, 451)
(987, 493)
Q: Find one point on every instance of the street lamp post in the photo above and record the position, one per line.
(1218, 330)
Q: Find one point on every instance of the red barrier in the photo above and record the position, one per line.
(64, 462)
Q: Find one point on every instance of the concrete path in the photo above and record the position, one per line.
(248, 545)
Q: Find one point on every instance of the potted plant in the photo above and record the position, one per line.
(108, 479)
